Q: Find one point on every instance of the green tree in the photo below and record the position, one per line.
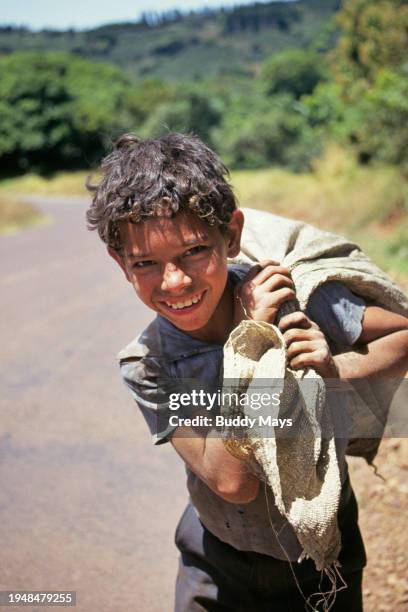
(58, 110)
(371, 79)
(294, 71)
(268, 132)
(383, 133)
(374, 35)
(192, 110)
(329, 114)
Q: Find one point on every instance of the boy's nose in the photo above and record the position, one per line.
(174, 278)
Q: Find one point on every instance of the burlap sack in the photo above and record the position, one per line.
(302, 469)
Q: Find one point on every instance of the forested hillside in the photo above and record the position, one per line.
(311, 87)
(178, 46)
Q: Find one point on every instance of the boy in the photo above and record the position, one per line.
(169, 219)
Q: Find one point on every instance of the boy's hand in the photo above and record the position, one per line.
(307, 345)
(259, 296)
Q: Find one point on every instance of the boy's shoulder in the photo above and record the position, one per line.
(164, 343)
(145, 344)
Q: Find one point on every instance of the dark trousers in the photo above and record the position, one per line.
(216, 577)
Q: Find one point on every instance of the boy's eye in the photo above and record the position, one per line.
(143, 264)
(197, 249)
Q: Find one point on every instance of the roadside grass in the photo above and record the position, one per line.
(16, 215)
(61, 183)
(368, 205)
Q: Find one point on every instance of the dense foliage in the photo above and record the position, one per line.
(58, 110)
(371, 70)
(294, 71)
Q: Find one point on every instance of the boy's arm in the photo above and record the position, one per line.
(204, 454)
(384, 347)
(381, 349)
(384, 352)
(259, 297)
(208, 458)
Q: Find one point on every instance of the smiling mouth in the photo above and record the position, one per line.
(187, 303)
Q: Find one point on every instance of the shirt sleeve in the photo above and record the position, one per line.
(151, 389)
(338, 312)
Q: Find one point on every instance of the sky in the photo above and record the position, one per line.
(79, 14)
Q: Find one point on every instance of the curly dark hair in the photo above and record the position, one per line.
(159, 177)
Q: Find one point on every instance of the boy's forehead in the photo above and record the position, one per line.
(144, 237)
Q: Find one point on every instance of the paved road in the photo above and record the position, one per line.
(87, 503)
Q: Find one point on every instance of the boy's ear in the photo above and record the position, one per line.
(119, 260)
(234, 231)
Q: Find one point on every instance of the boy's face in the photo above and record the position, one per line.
(178, 267)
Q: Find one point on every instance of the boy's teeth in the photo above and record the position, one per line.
(185, 304)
